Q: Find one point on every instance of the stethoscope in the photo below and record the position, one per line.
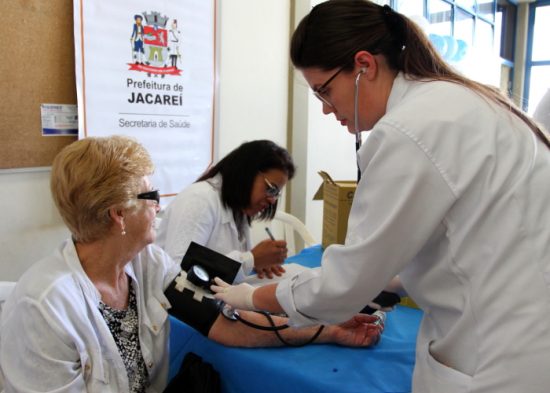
(356, 121)
(199, 277)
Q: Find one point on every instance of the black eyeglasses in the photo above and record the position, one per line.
(272, 190)
(150, 195)
(323, 88)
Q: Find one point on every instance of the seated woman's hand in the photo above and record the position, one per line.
(268, 256)
(362, 330)
(269, 271)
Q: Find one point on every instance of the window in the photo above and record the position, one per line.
(440, 16)
(505, 33)
(410, 7)
(463, 31)
(486, 9)
(537, 75)
(505, 28)
(464, 27)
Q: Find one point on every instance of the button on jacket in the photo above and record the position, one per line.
(51, 325)
(454, 196)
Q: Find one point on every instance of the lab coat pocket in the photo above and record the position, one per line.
(433, 376)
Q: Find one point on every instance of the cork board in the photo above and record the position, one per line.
(37, 67)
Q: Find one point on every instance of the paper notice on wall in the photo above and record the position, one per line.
(59, 119)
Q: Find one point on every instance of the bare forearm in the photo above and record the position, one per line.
(264, 299)
(237, 334)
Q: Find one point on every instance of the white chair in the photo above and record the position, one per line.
(6, 287)
(292, 225)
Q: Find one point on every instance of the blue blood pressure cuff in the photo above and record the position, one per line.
(190, 297)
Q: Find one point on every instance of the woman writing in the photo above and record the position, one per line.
(93, 316)
(217, 210)
(453, 197)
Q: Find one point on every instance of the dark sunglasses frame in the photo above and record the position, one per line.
(150, 195)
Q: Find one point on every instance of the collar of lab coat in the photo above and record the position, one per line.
(398, 90)
(71, 257)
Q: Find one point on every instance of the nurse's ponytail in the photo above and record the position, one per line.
(334, 31)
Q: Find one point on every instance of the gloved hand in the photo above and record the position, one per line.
(237, 296)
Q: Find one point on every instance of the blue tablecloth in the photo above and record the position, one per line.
(386, 367)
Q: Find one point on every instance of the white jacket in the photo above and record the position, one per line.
(197, 214)
(454, 196)
(54, 338)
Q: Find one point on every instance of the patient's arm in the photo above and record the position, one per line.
(361, 331)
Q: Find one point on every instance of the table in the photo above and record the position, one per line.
(384, 368)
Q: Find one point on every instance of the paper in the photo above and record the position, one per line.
(59, 120)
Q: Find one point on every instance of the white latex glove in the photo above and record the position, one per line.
(237, 296)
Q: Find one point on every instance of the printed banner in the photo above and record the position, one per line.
(147, 70)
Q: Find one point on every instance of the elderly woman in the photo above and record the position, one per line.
(92, 316)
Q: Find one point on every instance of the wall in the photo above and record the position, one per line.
(30, 226)
(252, 104)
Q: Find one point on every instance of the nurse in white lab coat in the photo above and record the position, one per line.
(453, 197)
(217, 210)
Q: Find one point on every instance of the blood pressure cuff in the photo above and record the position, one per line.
(194, 305)
(200, 315)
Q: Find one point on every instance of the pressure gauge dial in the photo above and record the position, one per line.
(198, 276)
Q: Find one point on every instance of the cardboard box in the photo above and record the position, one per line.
(337, 198)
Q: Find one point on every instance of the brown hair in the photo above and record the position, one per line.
(94, 174)
(330, 35)
(240, 167)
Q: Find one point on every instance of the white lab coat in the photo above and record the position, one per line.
(454, 197)
(54, 338)
(197, 214)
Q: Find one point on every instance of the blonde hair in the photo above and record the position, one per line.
(91, 176)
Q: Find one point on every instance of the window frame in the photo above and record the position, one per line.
(529, 63)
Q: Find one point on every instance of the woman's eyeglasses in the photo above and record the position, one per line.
(150, 195)
(322, 90)
(272, 190)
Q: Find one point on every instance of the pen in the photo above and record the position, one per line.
(269, 233)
